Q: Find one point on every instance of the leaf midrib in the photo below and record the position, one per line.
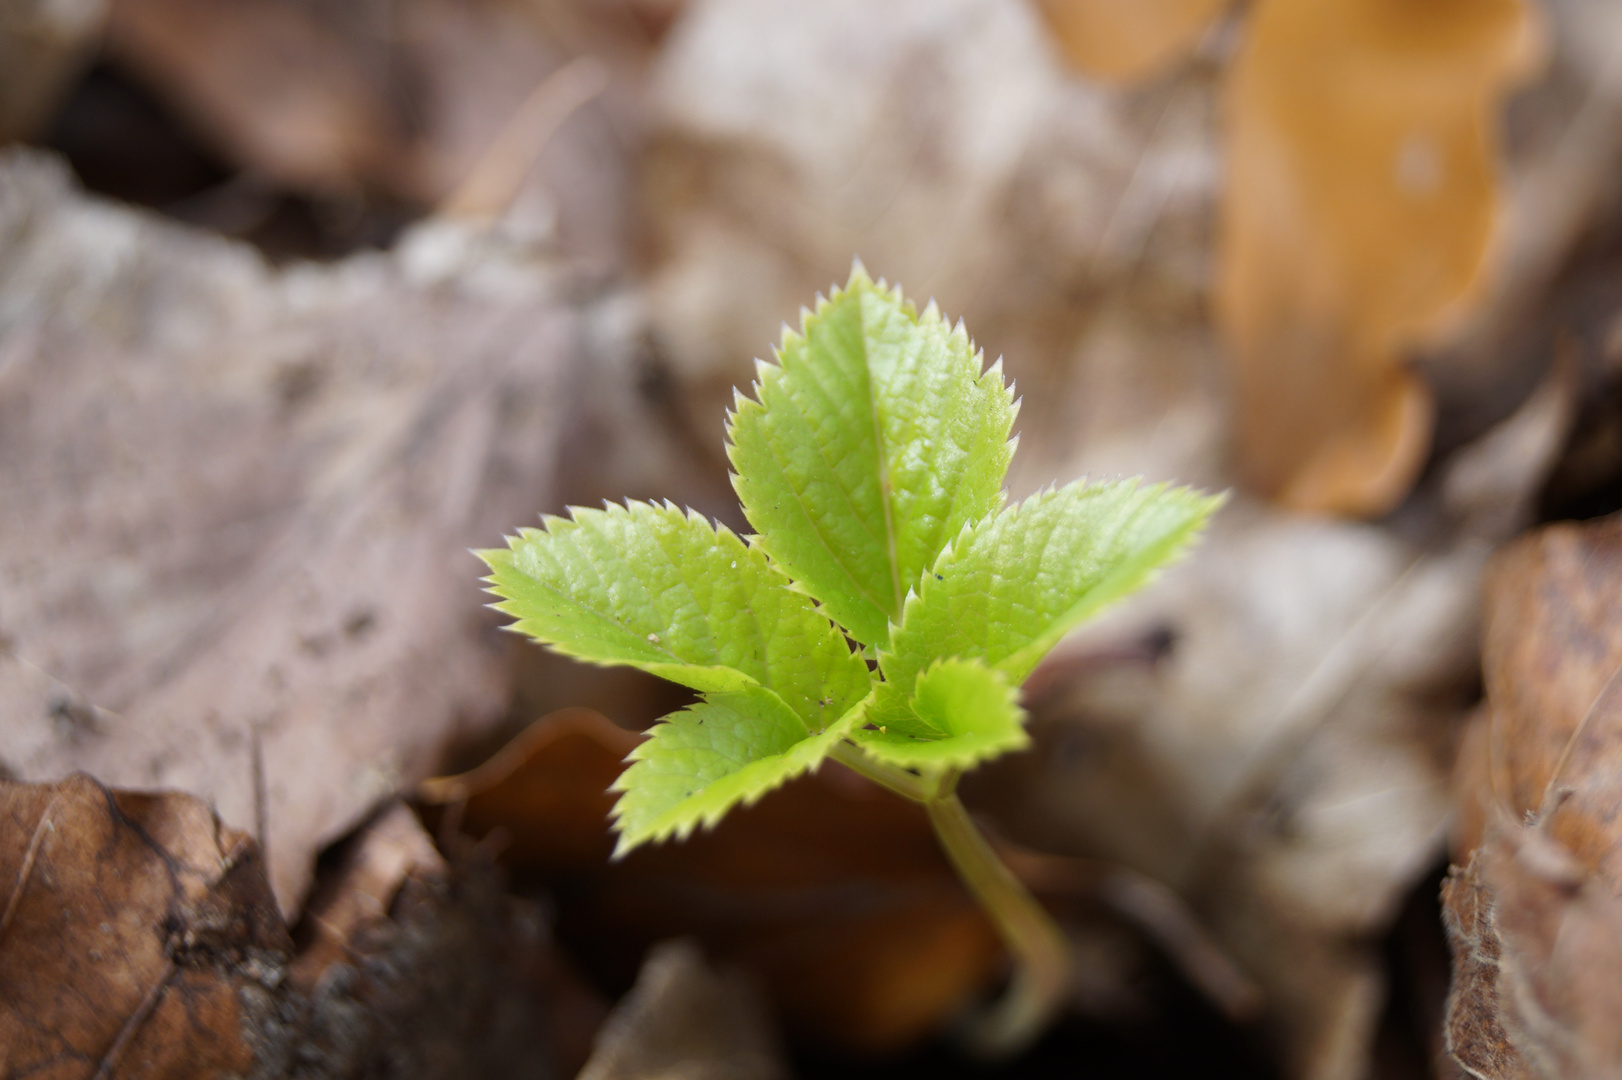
(886, 496)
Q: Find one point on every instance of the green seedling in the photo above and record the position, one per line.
(884, 614)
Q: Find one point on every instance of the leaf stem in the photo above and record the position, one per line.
(1041, 952)
(900, 781)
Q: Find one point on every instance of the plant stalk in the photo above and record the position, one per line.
(900, 781)
(1041, 951)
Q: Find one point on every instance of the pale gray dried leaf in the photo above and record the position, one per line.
(240, 502)
(685, 1018)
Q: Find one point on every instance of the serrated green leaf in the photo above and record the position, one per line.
(728, 749)
(1010, 586)
(962, 713)
(664, 591)
(871, 442)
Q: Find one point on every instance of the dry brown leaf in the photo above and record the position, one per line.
(359, 893)
(130, 929)
(1124, 40)
(139, 938)
(410, 967)
(1360, 199)
(833, 892)
(1551, 657)
(238, 507)
(1533, 911)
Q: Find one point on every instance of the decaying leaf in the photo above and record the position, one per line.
(133, 925)
(833, 892)
(407, 966)
(1532, 907)
(139, 937)
(1360, 198)
(1125, 40)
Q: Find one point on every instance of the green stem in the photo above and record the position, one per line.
(1041, 952)
(1040, 949)
(900, 781)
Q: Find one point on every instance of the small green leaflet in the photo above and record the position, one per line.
(874, 439)
(663, 591)
(871, 464)
(698, 764)
(1014, 583)
(961, 713)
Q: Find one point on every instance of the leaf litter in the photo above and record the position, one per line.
(1081, 245)
(1531, 905)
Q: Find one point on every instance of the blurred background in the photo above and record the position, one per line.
(300, 299)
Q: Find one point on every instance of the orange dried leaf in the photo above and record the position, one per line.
(1123, 40)
(1360, 197)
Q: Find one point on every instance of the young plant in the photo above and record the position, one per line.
(870, 463)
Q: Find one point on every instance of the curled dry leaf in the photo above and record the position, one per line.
(1532, 910)
(1359, 203)
(835, 894)
(132, 927)
(1127, 39)
(352, 900)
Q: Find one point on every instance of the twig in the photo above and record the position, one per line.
(493, 183)
(261, 796)
(25, 872)
(133, 1024)
(1155, 909)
